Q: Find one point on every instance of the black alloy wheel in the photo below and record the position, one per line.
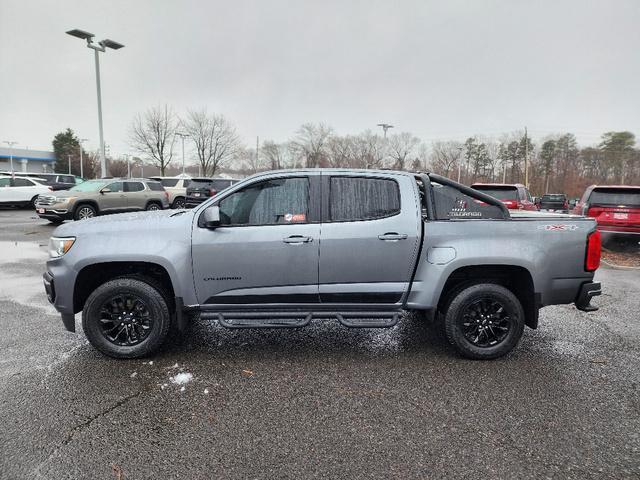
(486, 322)
(125, 320)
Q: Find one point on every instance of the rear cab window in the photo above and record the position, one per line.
(453, 204)
(502, 193)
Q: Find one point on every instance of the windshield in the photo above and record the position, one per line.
(616, 196)
(89, 186)
(501, 193)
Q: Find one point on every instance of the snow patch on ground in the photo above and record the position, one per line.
(181, 378)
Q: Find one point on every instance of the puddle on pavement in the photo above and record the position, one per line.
(10, 252)
(24, 287)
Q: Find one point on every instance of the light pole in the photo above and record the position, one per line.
(101, 46)
(80, 143)
(385, 127)
(11, 144)
(128, 157)
(182, 136)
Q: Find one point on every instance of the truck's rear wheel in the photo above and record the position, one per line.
(126, 318)
(484, 321)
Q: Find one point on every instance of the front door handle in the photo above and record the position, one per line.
(393, 236)
(296, 239)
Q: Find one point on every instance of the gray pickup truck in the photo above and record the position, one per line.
(281, 249)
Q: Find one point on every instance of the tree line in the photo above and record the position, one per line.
(554, 164)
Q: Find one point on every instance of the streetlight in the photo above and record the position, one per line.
(183, 136)
(101, 46)
(80, 143)
(385, 127)
(11, 144)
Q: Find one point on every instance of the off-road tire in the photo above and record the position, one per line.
(154, 299)
(454, 319)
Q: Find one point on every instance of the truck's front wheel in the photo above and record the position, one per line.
(484, 321)
(126, 318)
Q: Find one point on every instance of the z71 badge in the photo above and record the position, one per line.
(558, 227)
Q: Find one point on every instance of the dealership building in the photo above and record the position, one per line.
(25, 160)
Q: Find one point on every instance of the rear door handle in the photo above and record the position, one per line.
(297, 239)
(393, 236)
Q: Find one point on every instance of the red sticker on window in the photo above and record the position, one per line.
(299, 217)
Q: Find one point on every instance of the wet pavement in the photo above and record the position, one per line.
(324, 401)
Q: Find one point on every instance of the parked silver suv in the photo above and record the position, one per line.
(98, 197)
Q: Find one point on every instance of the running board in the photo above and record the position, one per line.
(293, 319)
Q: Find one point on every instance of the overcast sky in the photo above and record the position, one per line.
(445, 69)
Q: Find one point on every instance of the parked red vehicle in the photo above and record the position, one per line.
(616, 208)
(515, 196)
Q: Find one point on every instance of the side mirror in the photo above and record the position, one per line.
(212, 217)
(105, 190)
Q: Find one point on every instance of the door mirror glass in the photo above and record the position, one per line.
(212, 217)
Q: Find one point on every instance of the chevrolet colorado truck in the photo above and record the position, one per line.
(284, 248)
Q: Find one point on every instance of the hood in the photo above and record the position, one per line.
(67, 194)
(149, 223)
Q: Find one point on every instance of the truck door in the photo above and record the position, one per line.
(136, 194)
(370, 236)
(112, 197)
(266, 248)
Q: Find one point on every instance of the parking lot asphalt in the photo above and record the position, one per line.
(324, 401)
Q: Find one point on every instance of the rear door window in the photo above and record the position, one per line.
(22, 182)
(133, 186)
(362, 198)
(5, 182)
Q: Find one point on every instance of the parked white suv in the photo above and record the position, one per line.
(20, 191)
(176, 187)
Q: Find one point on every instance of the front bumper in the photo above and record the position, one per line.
(586, 293)
(53, 213)
(58, 285)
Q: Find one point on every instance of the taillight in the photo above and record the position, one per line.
(594, 244)
(565, 205)
(594, 212)
(212, 192)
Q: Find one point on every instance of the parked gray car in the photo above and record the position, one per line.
(281, 249)
(99, 197)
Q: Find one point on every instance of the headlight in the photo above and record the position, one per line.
(59, 246)
(65, 199)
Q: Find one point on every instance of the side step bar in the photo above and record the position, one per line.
(289, 319)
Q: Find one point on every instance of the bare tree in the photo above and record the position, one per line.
(445, 156)
(118, 168)
(215, 139)
(369, 150)
(401, 146)
(274, 154)
(153, 135)
(311, 140)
